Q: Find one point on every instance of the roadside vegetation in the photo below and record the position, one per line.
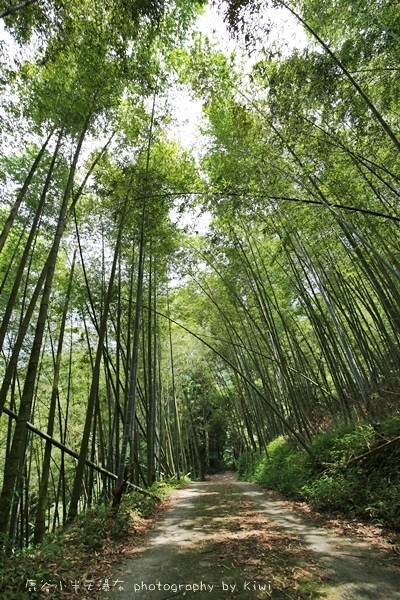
(137, 345)
(356, 474)
(76, 560)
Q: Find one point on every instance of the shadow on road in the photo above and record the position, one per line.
(225, 539)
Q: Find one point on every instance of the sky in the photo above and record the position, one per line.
(187, 112)
(286, 32)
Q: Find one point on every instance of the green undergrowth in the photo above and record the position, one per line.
(81, 552)
(356, 471)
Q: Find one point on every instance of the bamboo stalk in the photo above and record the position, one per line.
(74, 454)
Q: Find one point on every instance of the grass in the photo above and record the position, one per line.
(81, 553)
(367, 488)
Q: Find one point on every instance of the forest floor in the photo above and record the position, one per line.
(224, 539)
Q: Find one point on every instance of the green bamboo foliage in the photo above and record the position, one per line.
(19, 440)
(160, 352)
(40, 522)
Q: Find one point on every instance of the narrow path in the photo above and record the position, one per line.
(225, 539)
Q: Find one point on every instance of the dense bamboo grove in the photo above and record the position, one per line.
(135, 349)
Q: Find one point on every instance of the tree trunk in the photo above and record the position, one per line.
(22, 193)
(80, 469)
(11, 465)
(40, 525)
(13, 295)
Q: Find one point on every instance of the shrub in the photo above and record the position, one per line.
(66, 551)
(358, 474)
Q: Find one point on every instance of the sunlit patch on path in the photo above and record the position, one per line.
(225, 539)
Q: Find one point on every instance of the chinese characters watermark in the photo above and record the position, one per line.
(76, 585)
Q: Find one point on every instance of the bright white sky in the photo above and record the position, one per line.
(286, 33)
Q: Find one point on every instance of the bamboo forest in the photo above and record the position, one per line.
(199, 254)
